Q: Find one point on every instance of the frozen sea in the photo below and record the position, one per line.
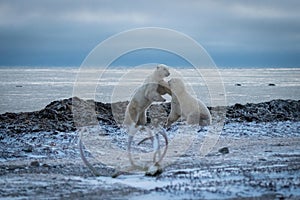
(25, 89)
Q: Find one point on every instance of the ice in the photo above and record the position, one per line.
(28, 89)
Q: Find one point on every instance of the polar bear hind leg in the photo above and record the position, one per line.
(142, 118)
(201, 119)
(205, 119)
(193, 118)
(131, 114)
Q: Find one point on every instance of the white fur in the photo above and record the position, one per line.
(149, 92)
(184, 105)
(158, 75)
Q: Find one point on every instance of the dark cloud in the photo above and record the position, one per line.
(236, 33)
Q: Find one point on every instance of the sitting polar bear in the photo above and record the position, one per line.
(154, 86)
(186, 106)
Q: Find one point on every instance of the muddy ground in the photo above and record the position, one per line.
(255, 157)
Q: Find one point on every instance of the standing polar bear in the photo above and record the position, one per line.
(186, 106)
(153, 87)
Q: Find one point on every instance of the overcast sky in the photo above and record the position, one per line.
(257, 33)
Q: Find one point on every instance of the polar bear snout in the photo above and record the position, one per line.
(163, 70)
(167, 73)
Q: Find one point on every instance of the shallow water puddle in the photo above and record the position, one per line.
(139, 181)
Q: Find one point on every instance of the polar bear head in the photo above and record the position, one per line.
(176, 85)
(162, 71)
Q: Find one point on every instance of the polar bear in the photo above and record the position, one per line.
(157, 77)
(186, 106)
(153, 87)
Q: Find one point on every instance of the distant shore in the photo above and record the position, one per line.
(58, 115)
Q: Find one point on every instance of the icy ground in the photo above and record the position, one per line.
(249, 160)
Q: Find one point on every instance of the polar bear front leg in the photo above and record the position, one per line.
(152, 95)
(173, 117)
(175, 111)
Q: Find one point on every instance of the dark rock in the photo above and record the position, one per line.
(154, 170)
(238, 106)
(11, 115)
(262, 159)
(238, 84)
(58, 115)
(224, 150)
(28, 149)
(35, 163)
(275, 110)
(45, 165)
(35, 128)
(271, 84)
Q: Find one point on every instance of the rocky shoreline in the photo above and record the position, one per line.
(58, 115)
(257, 155)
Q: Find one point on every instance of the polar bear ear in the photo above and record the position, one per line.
(157, 67)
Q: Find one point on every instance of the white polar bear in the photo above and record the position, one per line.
(186, 106)
(154, 86)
